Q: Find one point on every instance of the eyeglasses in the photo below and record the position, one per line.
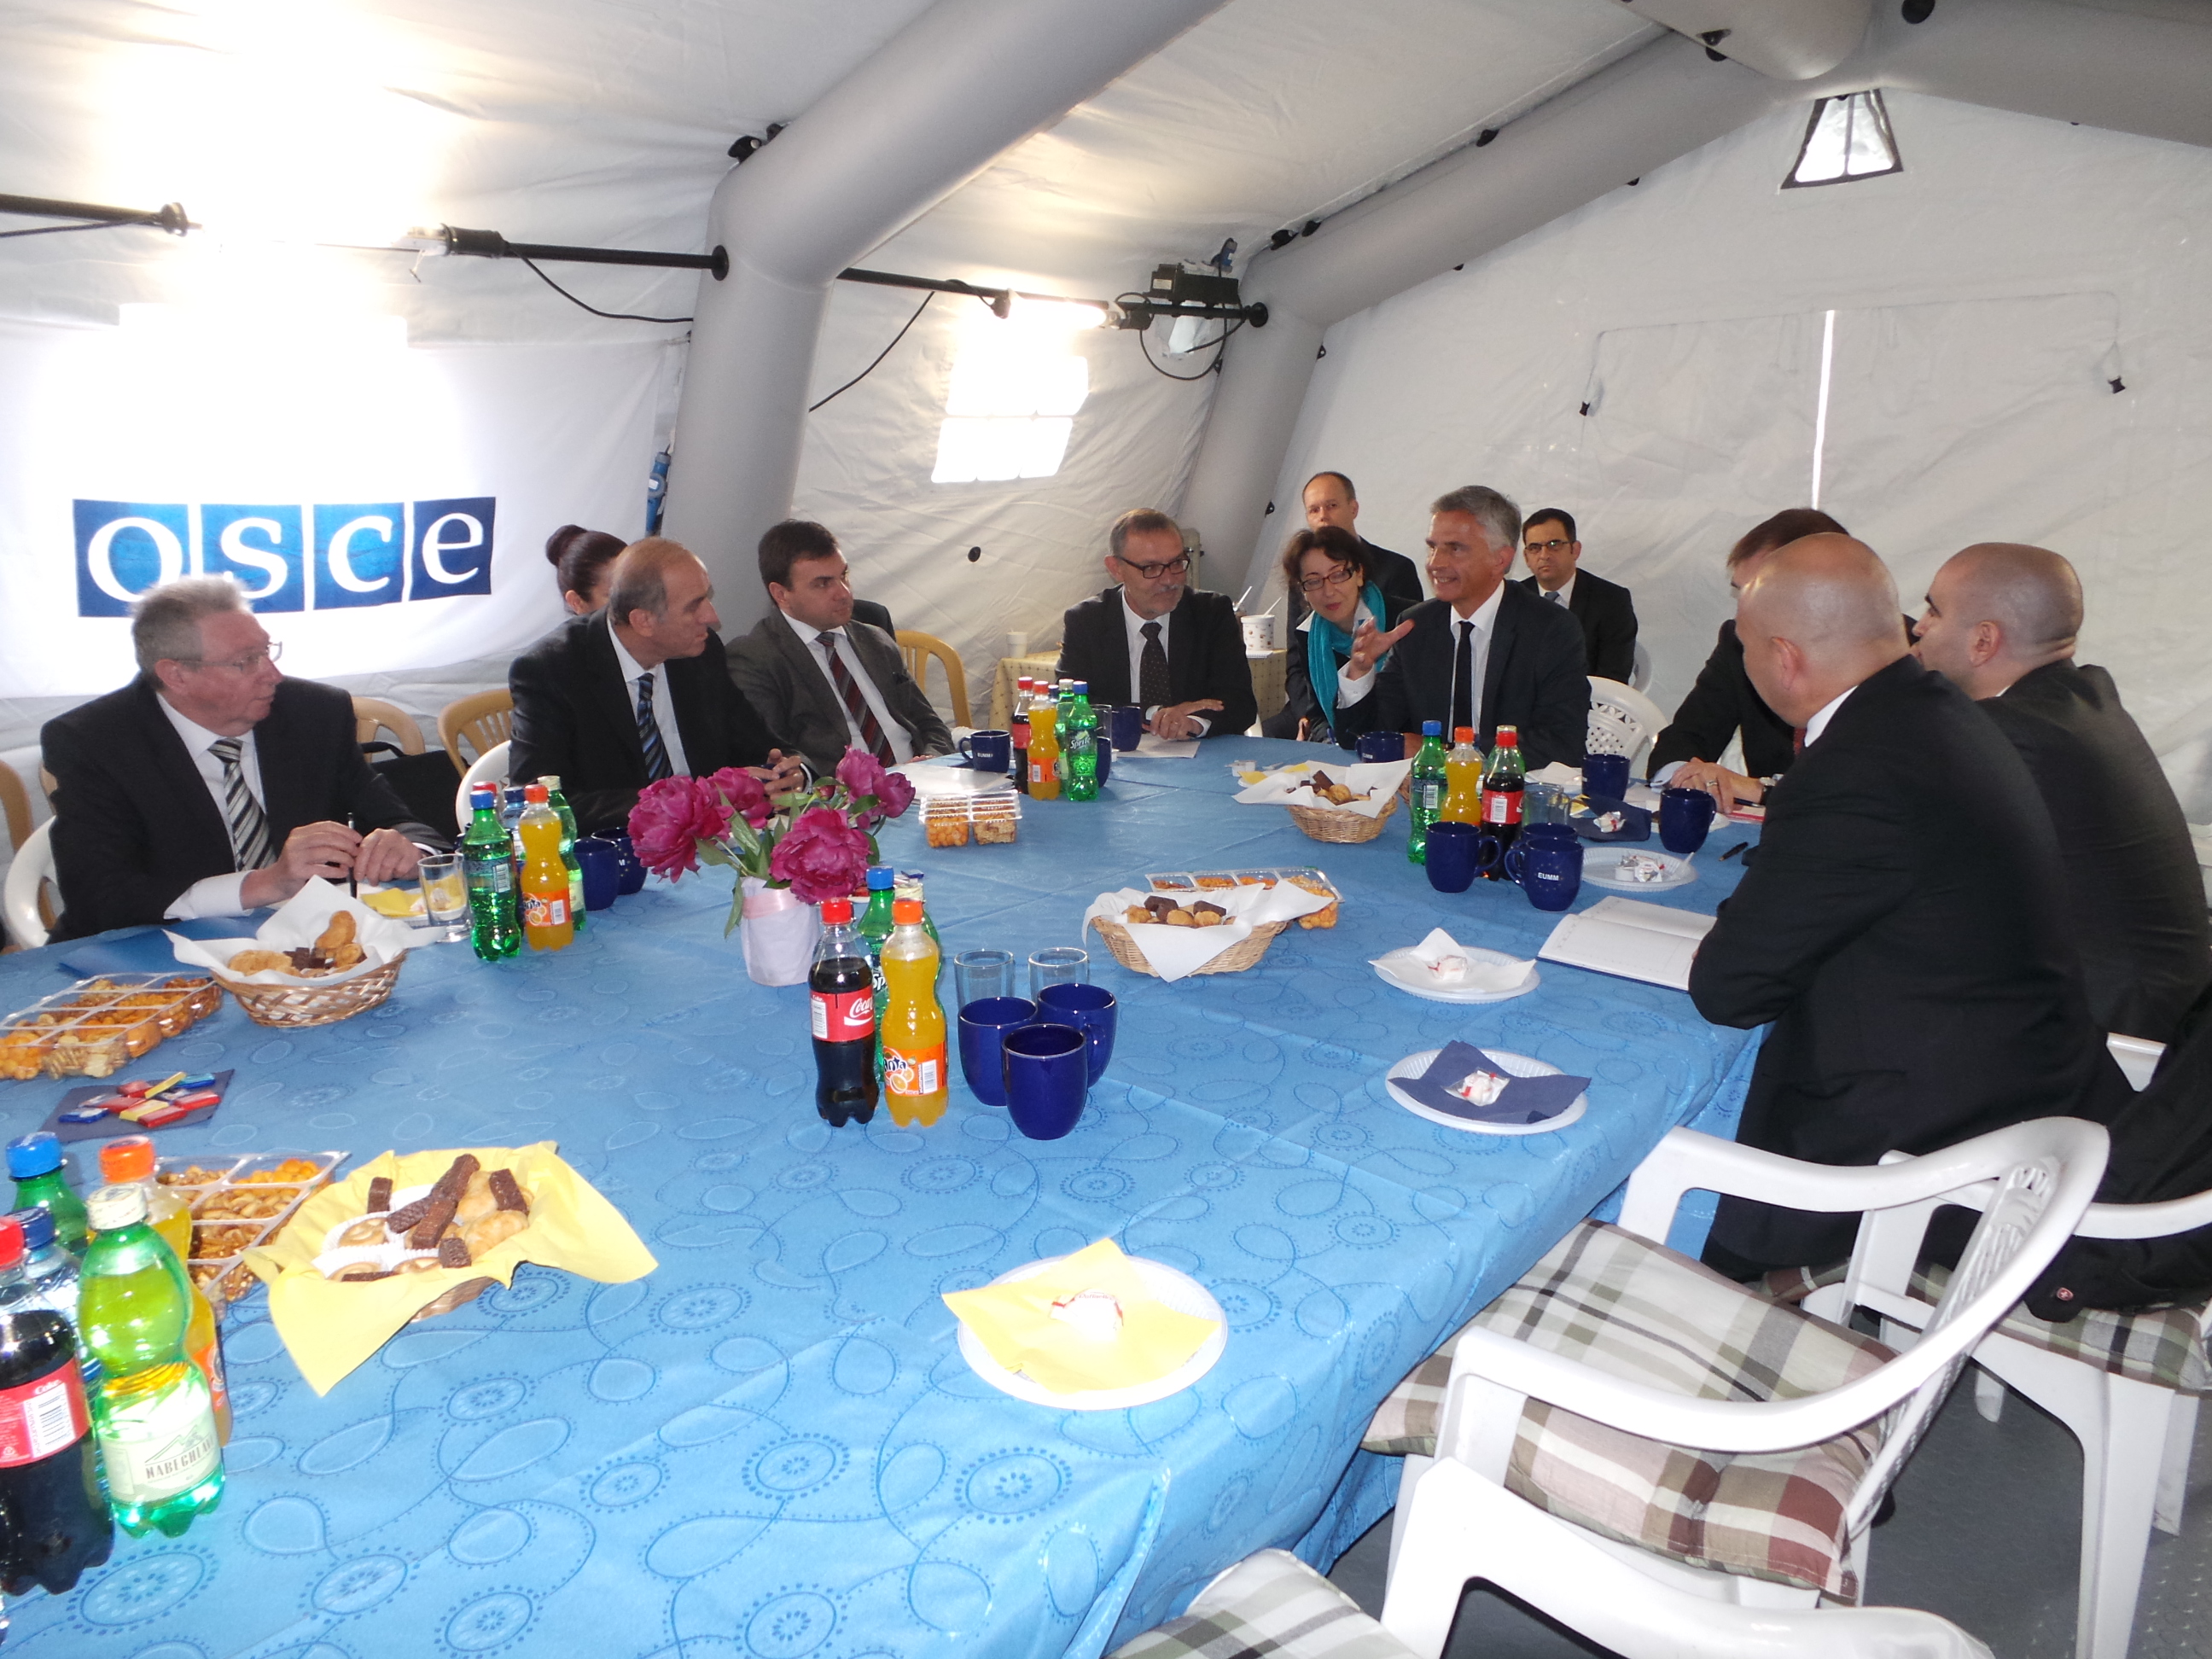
(1336, 578)
(247, 664)
(1152, 573)
(1551, 546)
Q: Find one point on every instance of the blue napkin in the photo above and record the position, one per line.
(144, 950)
(1635, 821)
(1523, 1099)
(110, 1127)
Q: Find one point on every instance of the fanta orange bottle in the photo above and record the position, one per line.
(915, 1086)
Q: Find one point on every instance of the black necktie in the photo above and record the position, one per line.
(1462, 697)
(1152, 684)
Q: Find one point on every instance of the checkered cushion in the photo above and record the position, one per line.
(1644, 1313)
(1268, 1603)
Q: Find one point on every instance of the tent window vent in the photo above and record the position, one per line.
(1016, 388)
(1848, 138)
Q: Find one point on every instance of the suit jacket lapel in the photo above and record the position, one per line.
(1114, 650)
(615, 697)
(1493, 670)
(180, 781)
(809, 681)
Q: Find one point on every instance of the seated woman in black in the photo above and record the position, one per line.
(1329, 567)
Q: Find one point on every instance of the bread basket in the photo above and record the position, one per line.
(299, 1005)
(1234, 960)
(1335, 823)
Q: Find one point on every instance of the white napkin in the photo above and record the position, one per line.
(1176, 952)
(1152, 748)
(1292, 785)
(300, 921)
(1560, 773)
(1416, 965)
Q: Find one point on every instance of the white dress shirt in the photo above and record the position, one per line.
(1819, 723)
(215, 896)
(1351, 689)
(901, 740)
(664, 711)
(1134, 626)
(1567, 591)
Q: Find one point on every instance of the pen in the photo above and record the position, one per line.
(1734, 850)
(352, 879)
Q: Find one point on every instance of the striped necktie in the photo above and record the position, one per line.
(1554, 596)
(856, 705)
(248, 825)
(648, 734)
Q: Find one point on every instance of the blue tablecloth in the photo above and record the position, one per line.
(771, 1446)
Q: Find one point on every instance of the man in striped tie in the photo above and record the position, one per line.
(213, 784)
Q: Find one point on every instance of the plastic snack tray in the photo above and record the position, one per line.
(237, 1202)
(989, 819)
(98, 1026)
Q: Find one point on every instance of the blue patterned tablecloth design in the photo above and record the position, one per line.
(771, 1447)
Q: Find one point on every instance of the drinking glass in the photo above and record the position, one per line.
(1543, 803)
(445, 896)
(979, 974)
(1062, 964)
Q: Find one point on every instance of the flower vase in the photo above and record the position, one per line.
(778, 932)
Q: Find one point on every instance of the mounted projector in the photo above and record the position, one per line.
(1187, 291)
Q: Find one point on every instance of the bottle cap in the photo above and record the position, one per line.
(1509, 737)
(1432, 728)
(836, 910)
(482, 796)
(130, 1159)
(880, 879)
(1463, 734)
(109, 1207)
(904, 911)
(1083, 688)
(534, 793)
(38, 1226)
(35, 1154)
(11, 1242)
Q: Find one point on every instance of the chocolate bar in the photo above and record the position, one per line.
(361, 1273)
(456, 1178)
(453, 1251)
(506, 1192)
(408, 1216)
(379, 1194)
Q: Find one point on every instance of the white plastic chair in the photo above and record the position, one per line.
(490, 767)
(1457, 1520)
(1623, 721)
(29, 913)
(1639, 672)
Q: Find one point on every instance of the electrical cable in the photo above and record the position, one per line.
(880, 355)
(1220, 348)
(52, 230)
(616, 316)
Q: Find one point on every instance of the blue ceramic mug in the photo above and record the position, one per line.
(1532, 837)
(1604, 777)
(984, 1025)
(1453, 855)
(1685, 816)
(1091, 1010)
(1103, 753)
(1550, 874)
(1048, 1074)
(1124, 724)
(631, 871)
(600, 863)
(988, 751)
(1378, 746)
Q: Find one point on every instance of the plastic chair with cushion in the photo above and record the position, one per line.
(490, 767)
(371, 714)
(478, 720)
(1669, 1463)
(1622, 720)
(917, 648)
(1270, 1603)
(25, 902)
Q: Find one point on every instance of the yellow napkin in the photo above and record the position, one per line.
(1015, 1322)
(331, 1327)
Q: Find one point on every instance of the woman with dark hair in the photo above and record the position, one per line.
(1329, 568)
(582, 560)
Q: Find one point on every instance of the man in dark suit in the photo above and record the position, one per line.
(1603, 608)
(1724, 702)
(1158, 642)
(1484, 653)
(817, 674)
(212, 785)
(639, 692)
(2001, 625)
(1329, 499)
(1901, 929)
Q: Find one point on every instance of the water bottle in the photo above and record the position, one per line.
(35, 1162)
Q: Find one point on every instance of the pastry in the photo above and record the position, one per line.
(338, 931)
(363, 1232)
(260, 962)
(494, 1229)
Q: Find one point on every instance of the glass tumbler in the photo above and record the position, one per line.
(978, 975)
(1062, 964)
(445, 896)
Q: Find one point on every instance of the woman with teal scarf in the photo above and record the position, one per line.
(1329, 566)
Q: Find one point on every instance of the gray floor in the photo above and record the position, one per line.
(1986, 1532)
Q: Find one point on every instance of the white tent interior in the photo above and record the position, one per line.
(2009, 339)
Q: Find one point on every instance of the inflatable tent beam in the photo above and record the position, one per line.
(963, 81)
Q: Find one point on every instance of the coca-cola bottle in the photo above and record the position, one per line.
(58, 1523)
(1504, 780)
(843, 994)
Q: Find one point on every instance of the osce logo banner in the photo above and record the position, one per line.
(292, 555)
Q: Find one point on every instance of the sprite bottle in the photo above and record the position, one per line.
(1428, 789)
(488, 855)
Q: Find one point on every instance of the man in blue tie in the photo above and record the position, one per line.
(611, 701)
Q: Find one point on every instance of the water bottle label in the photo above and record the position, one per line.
(1501, 806)
(544, 909)
(914, 1072)
(844, 1016)
(39, 1417)
(159, 1443)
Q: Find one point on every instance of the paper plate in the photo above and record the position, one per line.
(1178, 1290)
(1516, 1065)
(1602, 861)
(1440, 994)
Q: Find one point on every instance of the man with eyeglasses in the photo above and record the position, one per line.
(212, 784)
(1157, 641)
(1554, 556)
(1330, 500)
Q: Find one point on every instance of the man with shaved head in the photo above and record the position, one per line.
(1999, 625)
(1901, 928)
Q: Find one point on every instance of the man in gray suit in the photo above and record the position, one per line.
(817, 676)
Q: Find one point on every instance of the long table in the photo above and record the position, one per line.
(771, 1446)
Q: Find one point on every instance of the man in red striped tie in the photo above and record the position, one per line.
(815, 674)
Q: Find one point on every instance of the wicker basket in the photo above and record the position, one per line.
(1335, 823)
(290, 1005)
(1234, 960)
(462, 1294)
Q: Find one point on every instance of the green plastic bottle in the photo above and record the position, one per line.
(152, 1411)
(488, 857)
(875, 926)
(559, 803)
(35, 1162)
(1428, 789)
(1082, 744)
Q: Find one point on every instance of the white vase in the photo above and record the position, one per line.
(778, 932)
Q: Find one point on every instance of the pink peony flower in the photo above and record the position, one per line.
(894, 794)
(861, 772)
(820, 857)
(670, 818)
(745, 794)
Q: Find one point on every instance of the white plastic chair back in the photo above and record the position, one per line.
(490, 767)
(2137, 1058)
(1639, 674)
(1622, 720)
(34, 867)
